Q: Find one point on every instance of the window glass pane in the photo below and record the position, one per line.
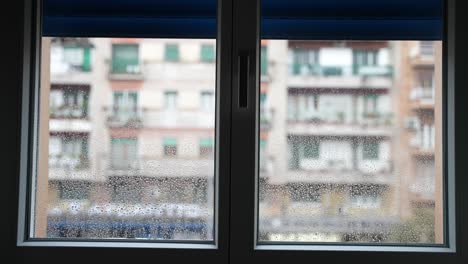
(125, 153)
(353, 150)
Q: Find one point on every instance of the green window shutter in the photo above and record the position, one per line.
(263, 98)
(370, 151)
(262, 143)
(207, 53)
(170, 142)
(124, 58)
(171, 52)
(264, 61)
(312, 149)
(206, 142)
(86, 66)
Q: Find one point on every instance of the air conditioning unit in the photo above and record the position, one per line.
(411, 123)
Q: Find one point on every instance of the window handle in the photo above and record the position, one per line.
(243, 84)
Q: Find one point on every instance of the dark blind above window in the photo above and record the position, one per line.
(294, 19)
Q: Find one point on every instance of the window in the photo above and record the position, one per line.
(125, 108)
(170, 147)
(264, 61)
(370, 150)
(68, 151)
(313, 162)
(312, 149)
(207, 53)
(305, 61)
(206, 147)
(125, 58)
(370, 105)
(338, 138)
(426, 47)
(363, 58)
(124, 153)
(207, 101)
(170, 100)
(115, 155)
(171, 52)
(73, 190)
(69, 101)
(79, 57)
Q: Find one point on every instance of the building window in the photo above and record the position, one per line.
(67, 102)
(170, 147)
(171, 52)
(207, 53)
(263, 61)
(370, 150)
(68, 151)
(207, 101)
(311, 149)
(365, 201)
(206, 147)
(303, 107)
(125, 58)
(170, 100)
(426, 48)
(425, 78)
(362, 58)
(73, 190)
(125, 104)
(305, 193)
(370, 106)
(78, 57)
(124, 153)
(305, 61)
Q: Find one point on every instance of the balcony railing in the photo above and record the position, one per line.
(68, 112)
(160, 167)
(367, 119)
(329, 71)
(266, 117)
(65, 161)
(422, 94)
(124, 118)
(130, 72)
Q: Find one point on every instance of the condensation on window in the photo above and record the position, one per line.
(350, 142)
(127, 139)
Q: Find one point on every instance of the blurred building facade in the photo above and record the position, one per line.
(346, 145)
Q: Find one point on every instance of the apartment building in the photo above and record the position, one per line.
(420, 104)
(346, 139)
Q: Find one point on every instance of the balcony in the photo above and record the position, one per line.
(340, 176)
(179, 119)
(70, 125)
(68, 112)
(86, 209)
(324, 224)
(129, 72)
(266, 117)
(422, 147)
(125, 119)
(422, 98)
(422, 54)
(69, 167)
(160, 167)
(341, 77)
(371, 124)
